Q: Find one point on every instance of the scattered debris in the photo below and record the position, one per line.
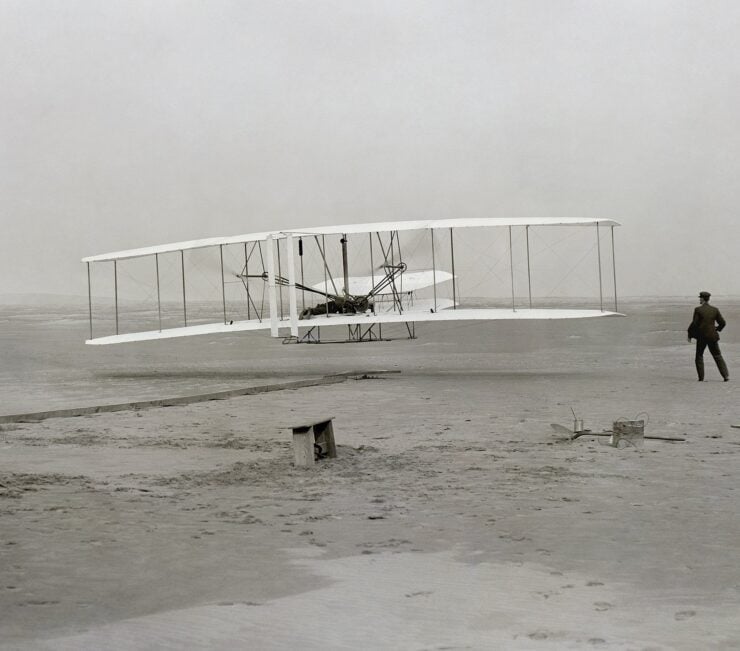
(577, 423)
(608, 432)
(627, 432)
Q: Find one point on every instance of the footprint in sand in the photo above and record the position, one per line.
(514, 538)
(601, 606)
(39, 602)
(684, 614)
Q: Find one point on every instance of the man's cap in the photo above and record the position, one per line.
(704, 295)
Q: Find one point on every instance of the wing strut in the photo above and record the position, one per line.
(511, 268)
(529, 273)
(326, 271)
(159, 299)
(272, 294)
(300, 255)
(115, 286)
(434, 270)
(345, 264)
(291, 287)
(614, 271)
(454, 284)
(372, 264)
(184, 301)
(246, 282)
(598, 253)
(89, 298)
(223, 280)
(279, 273)
(400, 257)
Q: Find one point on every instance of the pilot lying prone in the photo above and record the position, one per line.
(351, 305)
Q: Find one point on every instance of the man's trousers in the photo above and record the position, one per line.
(713, 346)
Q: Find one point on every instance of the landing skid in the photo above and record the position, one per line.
(355, 334)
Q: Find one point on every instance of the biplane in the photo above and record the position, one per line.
(355, 279)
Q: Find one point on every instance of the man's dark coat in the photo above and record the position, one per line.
(702, 325)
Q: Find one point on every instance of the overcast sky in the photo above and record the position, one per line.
(131, 123)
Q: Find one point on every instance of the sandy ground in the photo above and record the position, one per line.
(453, 518)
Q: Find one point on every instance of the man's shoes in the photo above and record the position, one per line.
(727, 379)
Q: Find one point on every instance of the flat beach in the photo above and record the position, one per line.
(454, 516)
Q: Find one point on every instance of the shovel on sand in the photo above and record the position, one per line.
(587, 432)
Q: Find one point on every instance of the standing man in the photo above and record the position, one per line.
(703, 329)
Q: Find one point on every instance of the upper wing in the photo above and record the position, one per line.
(475, 222)
(175, 247)
(372, 227)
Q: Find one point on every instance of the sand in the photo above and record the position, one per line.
(453, 518)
